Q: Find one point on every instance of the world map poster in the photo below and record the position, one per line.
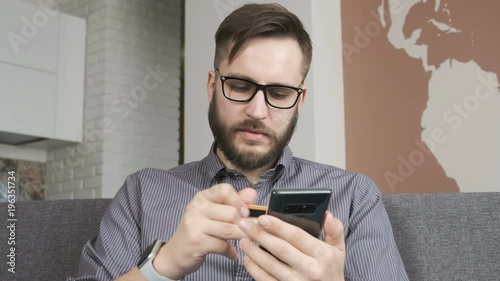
(422, 99)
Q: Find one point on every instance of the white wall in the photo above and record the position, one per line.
(328, 81)
(320, 132)
(132, 96)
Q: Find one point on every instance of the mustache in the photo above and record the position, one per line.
(253, 125)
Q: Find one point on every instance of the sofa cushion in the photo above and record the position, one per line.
(440, 236)
(447, 236)
(50, 236)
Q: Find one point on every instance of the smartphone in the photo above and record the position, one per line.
(304, 207)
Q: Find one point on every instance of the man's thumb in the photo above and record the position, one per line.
(334, 232)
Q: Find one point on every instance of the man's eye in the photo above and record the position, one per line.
(278, 93)
(240, 87)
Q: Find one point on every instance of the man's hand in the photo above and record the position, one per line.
(209, 220)
(297, 254)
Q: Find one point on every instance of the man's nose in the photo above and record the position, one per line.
(257, 107)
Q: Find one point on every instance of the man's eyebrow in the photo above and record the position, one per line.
(243, 76)
(240, 75)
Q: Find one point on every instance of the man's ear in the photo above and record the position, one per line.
(212, 78)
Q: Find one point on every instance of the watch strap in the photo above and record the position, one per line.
(146, 263)
(151, 274)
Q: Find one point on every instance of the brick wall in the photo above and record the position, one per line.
(131, 96)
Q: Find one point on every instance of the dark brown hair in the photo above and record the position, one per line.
(260, 21)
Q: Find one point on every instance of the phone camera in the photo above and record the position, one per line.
(299, 209)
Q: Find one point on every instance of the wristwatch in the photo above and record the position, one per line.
(146, 263)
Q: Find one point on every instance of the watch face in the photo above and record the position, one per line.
(150, 252)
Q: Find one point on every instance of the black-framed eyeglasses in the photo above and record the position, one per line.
(242, 90)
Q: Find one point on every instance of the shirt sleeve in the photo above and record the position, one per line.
(115, 250)
(371, 251)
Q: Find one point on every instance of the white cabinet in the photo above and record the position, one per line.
(42, 62)
(28, 101)
(29, 35)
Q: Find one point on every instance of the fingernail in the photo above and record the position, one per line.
(264, 221)
(244, 225)
(244, 212)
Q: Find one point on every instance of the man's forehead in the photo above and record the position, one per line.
(266, 58)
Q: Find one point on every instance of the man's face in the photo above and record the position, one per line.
(253, 134)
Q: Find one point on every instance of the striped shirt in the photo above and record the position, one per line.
(151, 203)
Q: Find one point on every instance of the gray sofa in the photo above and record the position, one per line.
(440, 236)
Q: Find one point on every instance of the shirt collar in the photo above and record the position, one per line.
(212, 164)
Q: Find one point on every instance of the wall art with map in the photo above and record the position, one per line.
(422, 93)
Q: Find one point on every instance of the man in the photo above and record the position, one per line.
(199, 209)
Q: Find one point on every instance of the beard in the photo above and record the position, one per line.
(225, 137)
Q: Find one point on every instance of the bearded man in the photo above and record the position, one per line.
(191, 221)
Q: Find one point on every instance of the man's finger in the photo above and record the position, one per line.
(280, 248)
(221, 247)
(225, 231)
(297, 237)
(248, 195)
(224, 194)
(222, 213)
(260, 264)
(334, 232)
(256, 271)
